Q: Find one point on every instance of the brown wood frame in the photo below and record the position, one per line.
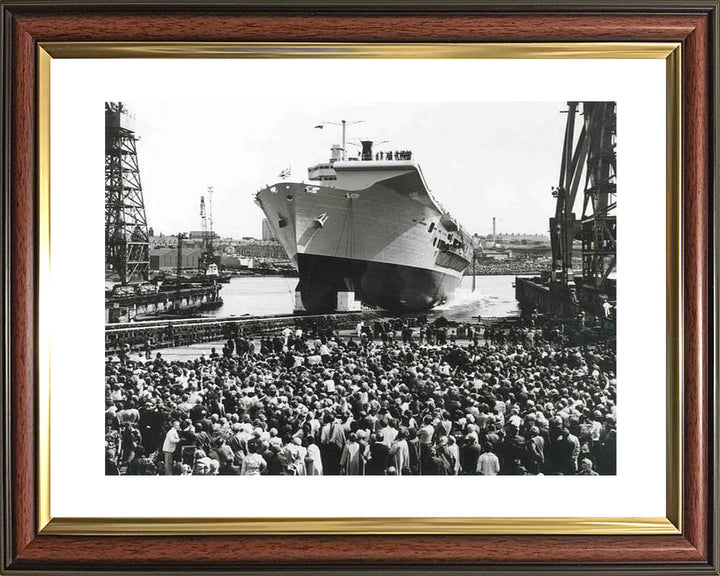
(693, 23)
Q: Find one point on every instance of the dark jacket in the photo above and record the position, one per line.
(379, 459)
(469, 455)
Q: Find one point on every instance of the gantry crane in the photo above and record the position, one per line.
(588, 160)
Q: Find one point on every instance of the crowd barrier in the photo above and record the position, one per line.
(173, 333)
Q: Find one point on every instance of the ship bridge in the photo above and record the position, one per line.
(366, 159)
(395, 169)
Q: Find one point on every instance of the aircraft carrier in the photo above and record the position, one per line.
(369, 227)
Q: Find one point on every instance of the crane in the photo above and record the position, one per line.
(203, 217)
(206, 221)
(588, 158)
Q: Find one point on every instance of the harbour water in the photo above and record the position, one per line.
(494, 296)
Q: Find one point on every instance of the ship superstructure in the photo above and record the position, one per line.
(369, 226)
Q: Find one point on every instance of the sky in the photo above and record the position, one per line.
(479, 159)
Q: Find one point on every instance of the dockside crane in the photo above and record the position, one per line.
(208, 254)
(588, 160)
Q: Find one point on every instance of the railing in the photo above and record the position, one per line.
(391, 155)
(144, 299)
(171, 333)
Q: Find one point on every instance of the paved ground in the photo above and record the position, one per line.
(185, 352)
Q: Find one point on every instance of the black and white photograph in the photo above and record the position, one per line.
(360, 289)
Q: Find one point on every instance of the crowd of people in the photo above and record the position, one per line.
(393, 155)
(388, 399)
(530, 265)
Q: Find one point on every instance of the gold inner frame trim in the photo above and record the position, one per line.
(358, 525)
(44, 307)
(355, 525)
(674, 312)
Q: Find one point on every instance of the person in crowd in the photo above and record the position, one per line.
(469, 454)
(332, 442)
(379, 456)
(488, 463)
(172, 439)
(454, 451)
(314, 458)
(129, 440)
(204, 465)
(445, 456)
(253, 464)
(111, 468)
(535, 448)
(352, 457)
(400, 454)
(141, 465)
(295, 454)
(586, 468)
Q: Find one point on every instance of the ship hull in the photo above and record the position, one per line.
(390, 286)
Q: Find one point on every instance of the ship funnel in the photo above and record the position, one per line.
(336, 153)
(367, 153)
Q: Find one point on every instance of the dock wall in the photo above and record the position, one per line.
(553, 299)
(132, 305)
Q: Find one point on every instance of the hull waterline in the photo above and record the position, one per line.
(390, 286)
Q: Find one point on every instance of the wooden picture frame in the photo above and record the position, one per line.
(34, 30)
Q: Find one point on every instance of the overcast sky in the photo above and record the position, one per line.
(479, 159)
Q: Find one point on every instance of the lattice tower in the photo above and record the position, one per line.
(126, 231)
